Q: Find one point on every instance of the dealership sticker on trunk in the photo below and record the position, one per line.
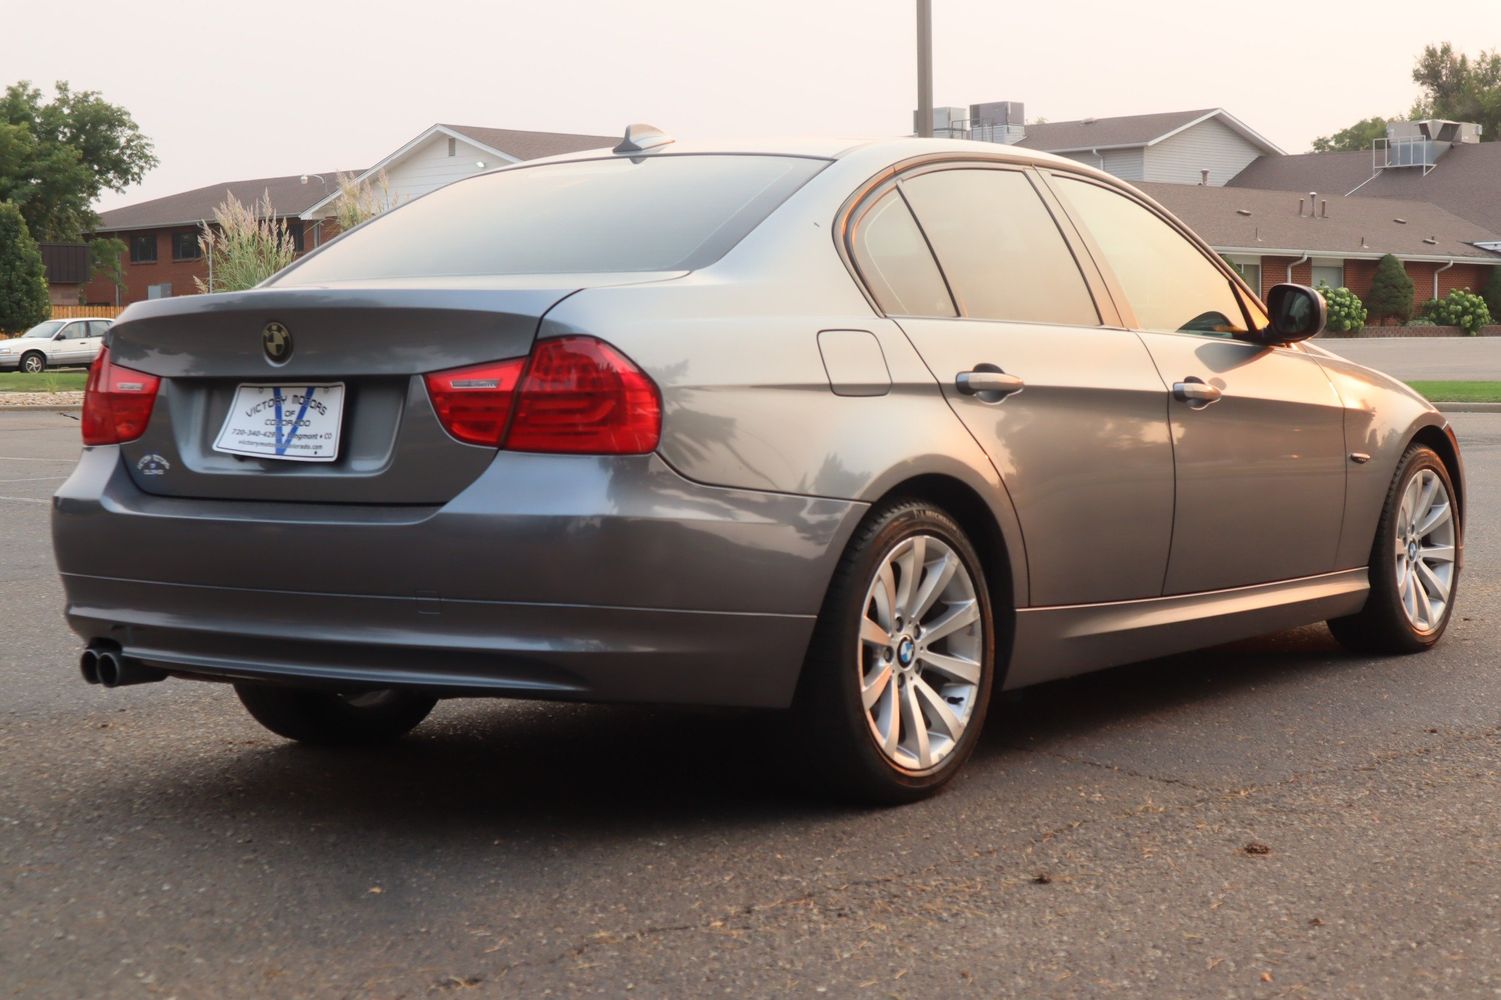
(299, 423)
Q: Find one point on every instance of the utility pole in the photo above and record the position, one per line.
(925, 68)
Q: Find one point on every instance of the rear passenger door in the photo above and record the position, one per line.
(1261, 466)
(1072, 413)
(93, 339)
(68, 348)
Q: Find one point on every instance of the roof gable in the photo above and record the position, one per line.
(1132, 130)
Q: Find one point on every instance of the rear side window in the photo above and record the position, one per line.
(1171, 286)
(1000, 248)
(656, 213)
(895, 261)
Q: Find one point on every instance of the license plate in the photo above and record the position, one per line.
(297, 423)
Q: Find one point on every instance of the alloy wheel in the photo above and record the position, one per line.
(921, 642)
(1425, 550)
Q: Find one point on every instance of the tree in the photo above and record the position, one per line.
(58, 155)
(1362, 135)
(1492, 292)
(1391, 291)
(1459, 88)
(23, 282)
(244, 245)
(105, 255)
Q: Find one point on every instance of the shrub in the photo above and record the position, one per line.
(1346, 312)
(1461, 308)
(1492, 293)
(244, 245)
(23, 281)
(1391, 291)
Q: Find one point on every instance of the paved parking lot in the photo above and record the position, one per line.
(1273, 818)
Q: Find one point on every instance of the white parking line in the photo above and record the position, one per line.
(35, 479)
(23, 500)
(18, 458)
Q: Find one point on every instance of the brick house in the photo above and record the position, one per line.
(1276, 236)
(161, 236)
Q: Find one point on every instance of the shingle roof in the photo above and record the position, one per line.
(533, 145)
(1274, 224)
(1466, 181)
(289, 196)
(1129, 130)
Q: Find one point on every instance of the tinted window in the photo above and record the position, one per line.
(185, 246)
(98, 328)
(143, 248)
(1000, 248)
(657, 213)
(1169, 283)
(895, 261)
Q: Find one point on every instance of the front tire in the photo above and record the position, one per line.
(325, 718)
(899, 672)
(33, 363)
(1414, 563)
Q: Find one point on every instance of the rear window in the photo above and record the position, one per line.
(657, 213)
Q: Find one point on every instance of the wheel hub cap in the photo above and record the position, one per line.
(1425, 550)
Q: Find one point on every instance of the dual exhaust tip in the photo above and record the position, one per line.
(104, 664)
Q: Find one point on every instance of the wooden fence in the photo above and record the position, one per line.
(85, 312)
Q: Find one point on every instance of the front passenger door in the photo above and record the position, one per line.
(1260, 464)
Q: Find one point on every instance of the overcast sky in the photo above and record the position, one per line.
(231, 91)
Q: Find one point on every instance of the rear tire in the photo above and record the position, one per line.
(32, 363)
(325, 718)
(898, 675)
(1414, 563)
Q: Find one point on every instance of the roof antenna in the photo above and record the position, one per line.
(639, 137)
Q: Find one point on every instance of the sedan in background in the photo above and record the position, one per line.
(54, 344)
(863, 430)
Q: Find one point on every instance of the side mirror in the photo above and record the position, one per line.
(1297, 312)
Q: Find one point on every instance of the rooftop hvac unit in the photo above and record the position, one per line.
(997, 113)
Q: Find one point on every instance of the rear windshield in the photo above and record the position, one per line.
(657, 213)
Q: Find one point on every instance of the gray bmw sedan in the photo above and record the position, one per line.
(862, 430)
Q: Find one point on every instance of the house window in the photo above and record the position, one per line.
(143, 248)
(162, 291)
(185, 246)
(1249, 270)
(453, 146)
(1330, 272)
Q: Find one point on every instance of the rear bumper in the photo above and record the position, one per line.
(551, 576)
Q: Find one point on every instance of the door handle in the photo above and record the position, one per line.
(1194, 390)
(988, 383)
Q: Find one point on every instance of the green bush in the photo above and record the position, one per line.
(1461, 308)
(23, 282)
(1492, 293)
(1346, 312)
(1391, 292)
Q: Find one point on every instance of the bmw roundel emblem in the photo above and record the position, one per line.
(277, 341)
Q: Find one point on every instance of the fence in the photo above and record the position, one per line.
(85, 312)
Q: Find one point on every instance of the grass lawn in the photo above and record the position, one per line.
(69, 381)
(1460, 392)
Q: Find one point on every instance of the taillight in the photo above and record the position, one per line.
(474, 403)
(117, 402)
(583, 396)
(579, 396)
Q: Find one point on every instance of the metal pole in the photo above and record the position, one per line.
(925, 68)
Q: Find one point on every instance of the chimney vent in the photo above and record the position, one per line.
(1242, 211)
(1300, 208)
(1430, 241)
(1204, 178)
(1324, 209)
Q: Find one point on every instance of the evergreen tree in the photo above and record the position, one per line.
(23, 282)
(1391, 291)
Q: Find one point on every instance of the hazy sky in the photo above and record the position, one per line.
(230, 91)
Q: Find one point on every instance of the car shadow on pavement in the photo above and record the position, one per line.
(535, 769)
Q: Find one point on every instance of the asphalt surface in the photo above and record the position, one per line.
(1273, 818)
(1416, 358)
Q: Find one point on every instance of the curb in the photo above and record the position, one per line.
(55, 407)
(1468, 407)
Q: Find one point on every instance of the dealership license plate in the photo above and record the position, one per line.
(298, 423)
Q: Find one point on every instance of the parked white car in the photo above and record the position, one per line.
(54, 343)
